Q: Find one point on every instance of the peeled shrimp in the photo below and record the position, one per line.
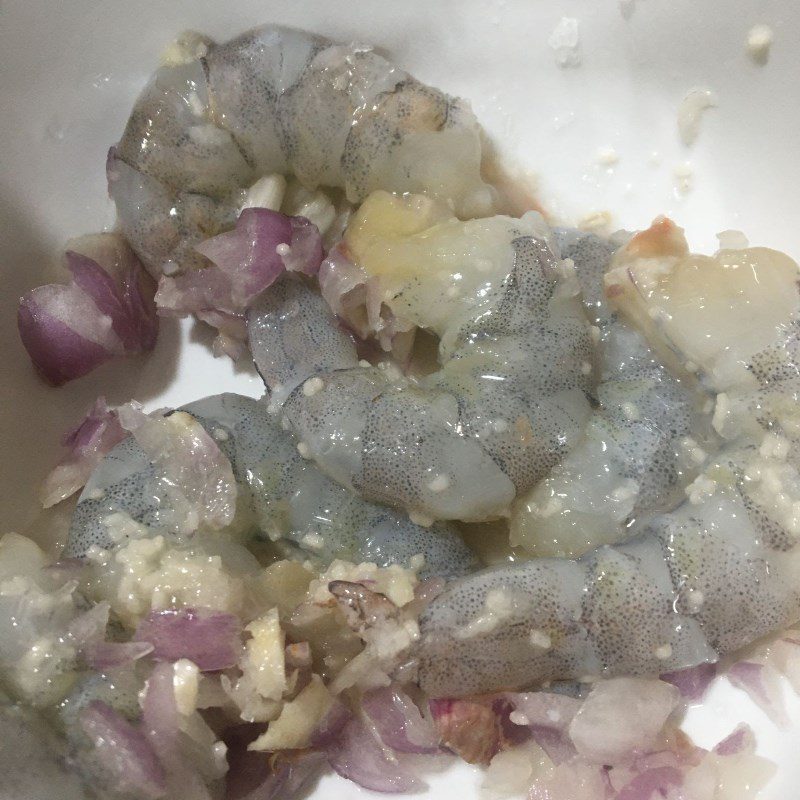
(644, 443)
(515, 353)
(220, 119)
(284, 497)
(704, 579)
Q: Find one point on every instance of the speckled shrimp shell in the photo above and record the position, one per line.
(307, 515)
(645, 441)
(218, 117)
(515, 364)
(697, 582)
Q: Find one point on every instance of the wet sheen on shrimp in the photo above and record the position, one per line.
(697, 582)
(515, 351)
(218, 120)
(646, 440)
(291, 503)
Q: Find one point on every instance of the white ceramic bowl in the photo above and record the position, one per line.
(71, 70)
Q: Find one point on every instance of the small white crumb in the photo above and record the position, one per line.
(694, 600)
(732, 240)
(627, 490)
(690, 112)
(500, 425)
(596, 221)
(541, 639)
(283, 250)
(418, 518)
(439, 484)
(317, 209)
(565, 40)
(554, 505)
(630, 411)
(97, 555)
(722, 408)
(196, 104)
(313, 386)
(364, 363)
(303, 449)
(498, 606)
(586, 368)
(607, 157)
(416, 562)
(594, 332)
(567, 272)
(185, 685)
(700, 489)
(759, 43)
(170, 267)
(266, 192)
(697, 455)
(392, 371)
(663, 652)
(220, 435)
(313, 541)
(684, 178)
(518, 718)
(208, 135)
(95, 494)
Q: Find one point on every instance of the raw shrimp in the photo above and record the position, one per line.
(515, 351)
(219, 119)
(644, 443)
(703, 580)
(307, 515)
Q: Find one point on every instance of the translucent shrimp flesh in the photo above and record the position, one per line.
(280, 494)
(646, 440)
(217, 120)
(702, 580)
(515, 354)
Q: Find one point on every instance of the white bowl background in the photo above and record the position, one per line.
(70, 70)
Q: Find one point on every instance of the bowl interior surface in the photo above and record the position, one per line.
(595, 139)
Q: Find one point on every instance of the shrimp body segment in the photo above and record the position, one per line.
(646, 440)
(704, 579)
(515, 357)
(217, 118)
(279, 493)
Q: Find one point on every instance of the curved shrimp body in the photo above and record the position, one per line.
(307, 515)
(697, 582)
(644, 443)
(515, 354)
(216, 118)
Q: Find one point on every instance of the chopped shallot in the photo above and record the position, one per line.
(244, 262)
(88, 442)
(105, 311)
(123, 751)
(211, 639)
